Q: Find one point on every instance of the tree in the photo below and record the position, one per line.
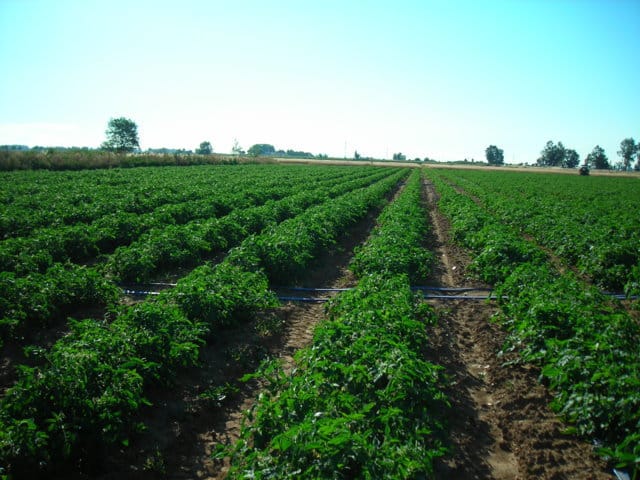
(236, 149)
(571, 158)
(205, 148)
(399, 156)
(628, 148)
(597, 159)
(122, 136)
(495, 155)
(261, 149)
(356, 155)
(552, 155)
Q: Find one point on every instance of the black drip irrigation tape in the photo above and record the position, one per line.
(288, 298)
(435, 289)
(309, 289)
(139, 293)
(621, 296)
(460, 297)
(304, 299)
(133, 290)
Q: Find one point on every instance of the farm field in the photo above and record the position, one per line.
(134, 301)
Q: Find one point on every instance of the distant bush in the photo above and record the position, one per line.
(94, 159)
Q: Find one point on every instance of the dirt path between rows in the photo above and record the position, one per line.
(501, 425)
(183, 428)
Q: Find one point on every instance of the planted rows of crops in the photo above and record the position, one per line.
(90, 390)
(38, 199)
(361, 402)
(81, 241)
(38, 298)
(35, 199)
(591, 222)
(586, 345)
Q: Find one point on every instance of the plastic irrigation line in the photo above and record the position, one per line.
(139, 293)
(435, 289)
(460, 297)
(311, 289)
(287, 298)
(304, 299)
(453, 289)
(147, 292)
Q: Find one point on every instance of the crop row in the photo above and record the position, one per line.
(92, 386)
(592, 222)
(32, 200)
(396, 245)
(185, 245)
(361, 402)
(586, 346)
(82, 242)
(28, 305)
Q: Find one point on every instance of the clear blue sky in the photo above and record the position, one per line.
(443, 79)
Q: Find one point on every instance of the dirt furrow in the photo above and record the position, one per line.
(501, 425)
(189, 421)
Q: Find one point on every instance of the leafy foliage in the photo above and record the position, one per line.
(494, 155)
(396, 245)
(587, 348)
(593, 227)
(122, 136)
(90, 388)
(598, 159)
(361, 404)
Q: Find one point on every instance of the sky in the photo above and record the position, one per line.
(437, 79)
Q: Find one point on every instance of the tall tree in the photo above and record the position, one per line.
(571, 158)
(261, 149)
(495, 155)
(205, 148)
(552, 155)
(628, 148)
(122, 136)
(237, 149)
(597, 159)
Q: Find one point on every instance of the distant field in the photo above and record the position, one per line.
(470, 166)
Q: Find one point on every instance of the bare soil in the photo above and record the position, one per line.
(183, 428)
(501, 425)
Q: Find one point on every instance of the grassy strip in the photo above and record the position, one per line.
(588, 349)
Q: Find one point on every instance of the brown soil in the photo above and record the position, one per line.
(560, 264)
(183, 429)
(501, 425)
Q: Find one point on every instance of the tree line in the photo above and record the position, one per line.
(557, 155)
(122, 137)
